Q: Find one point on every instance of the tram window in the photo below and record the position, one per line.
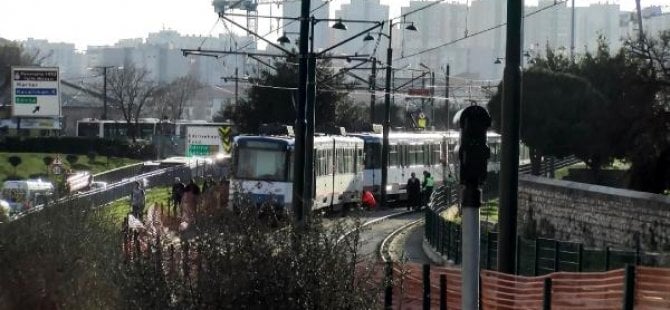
(88, 129)
(373, 153)
(330, 162)
(436, 152)
(393, 155)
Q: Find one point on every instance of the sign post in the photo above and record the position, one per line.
(35, 92)
(207, 140)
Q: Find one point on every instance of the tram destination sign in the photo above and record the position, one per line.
(35, 92)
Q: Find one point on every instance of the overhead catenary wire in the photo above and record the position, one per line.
(468, 36)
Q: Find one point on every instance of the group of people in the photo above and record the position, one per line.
(179, 189)
(418, 193)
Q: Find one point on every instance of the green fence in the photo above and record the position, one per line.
(535, 256)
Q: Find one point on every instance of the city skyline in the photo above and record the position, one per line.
(79, 21)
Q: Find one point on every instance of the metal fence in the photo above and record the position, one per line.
(535, 256)
(122, 184)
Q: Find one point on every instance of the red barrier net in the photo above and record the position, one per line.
(652, 288)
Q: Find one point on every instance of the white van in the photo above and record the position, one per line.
(26, 194)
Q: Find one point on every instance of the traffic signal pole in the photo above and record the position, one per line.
(509, 166)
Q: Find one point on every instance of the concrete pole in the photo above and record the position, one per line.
(309, 136)
(471, 233)
(387, 119)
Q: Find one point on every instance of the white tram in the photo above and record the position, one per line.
(263, 170)
(345, 166)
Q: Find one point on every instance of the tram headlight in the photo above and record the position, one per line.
(389, 188)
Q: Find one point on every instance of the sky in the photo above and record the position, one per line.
(96, 22)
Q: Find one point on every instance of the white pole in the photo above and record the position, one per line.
(470, 261)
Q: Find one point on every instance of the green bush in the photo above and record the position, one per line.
(78, 145)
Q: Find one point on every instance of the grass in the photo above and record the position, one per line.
(32, 165)
(488, 212)
(616, 165)
(121, 207)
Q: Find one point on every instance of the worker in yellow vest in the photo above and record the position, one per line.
(421, 122)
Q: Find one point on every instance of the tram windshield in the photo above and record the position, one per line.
(261, 164)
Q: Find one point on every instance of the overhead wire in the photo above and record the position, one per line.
(468, 36)
(210, 33)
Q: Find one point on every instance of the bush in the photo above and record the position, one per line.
(247, 261)
(72, 159)
(78, 145)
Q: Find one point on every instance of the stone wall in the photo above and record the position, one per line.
(594, 215)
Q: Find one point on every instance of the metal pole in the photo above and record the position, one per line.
(572, 33)
(300, 123)
(104, 93)
(432, 98)
(470, 245)
(387, 118)
(309, 136)
(640, 32)
(237, 81)
(446, 97)
(509, 166)
(373, 89)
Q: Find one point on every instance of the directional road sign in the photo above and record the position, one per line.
(35, 92)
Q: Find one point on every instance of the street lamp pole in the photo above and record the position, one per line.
(387, 117)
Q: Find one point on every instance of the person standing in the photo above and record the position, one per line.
(178, 189)
(428, 184)
(413, 192)
(137, 197)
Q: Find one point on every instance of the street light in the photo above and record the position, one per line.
(338, 25)
(499, 60)
(284, 39)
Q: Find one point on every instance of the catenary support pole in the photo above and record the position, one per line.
(373, 90)
(300, 123)
(387, 119)
(509, 166)
(309, 136)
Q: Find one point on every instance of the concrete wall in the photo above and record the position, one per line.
(595, 215)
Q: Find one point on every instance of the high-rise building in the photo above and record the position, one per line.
(320, 10)
(369, 10)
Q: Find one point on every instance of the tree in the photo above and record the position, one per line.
(15, 161)
(12, 54)
(273, 96)
(556, 114)
(47, 160)
(176, 94)
(132, 89)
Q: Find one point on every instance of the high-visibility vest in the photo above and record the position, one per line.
(429, 182)
(421, 122)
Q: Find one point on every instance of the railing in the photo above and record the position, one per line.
(123, 186)
(534, 256)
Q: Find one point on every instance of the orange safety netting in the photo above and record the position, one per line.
(652, 288)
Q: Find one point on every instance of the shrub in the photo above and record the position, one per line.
(72, 159)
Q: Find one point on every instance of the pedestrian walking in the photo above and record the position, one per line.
(178, 189)
(137, 200)
(413, 192)
(192, 188)
(428, 184)
(208, 184)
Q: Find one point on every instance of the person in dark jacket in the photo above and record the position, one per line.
(178, 189)
(413, 192)
(192, 188)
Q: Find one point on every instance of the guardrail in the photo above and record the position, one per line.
(123, 184)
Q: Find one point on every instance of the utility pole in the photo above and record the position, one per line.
(104, 93)
(572, 33)
(373, 89)
(446, 97)
(237, 85)
(387, 117)
(309, 136)
(640, 32)
(300, 124)
(509, 165)
(432, 98)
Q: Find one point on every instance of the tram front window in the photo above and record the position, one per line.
(261, 164)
